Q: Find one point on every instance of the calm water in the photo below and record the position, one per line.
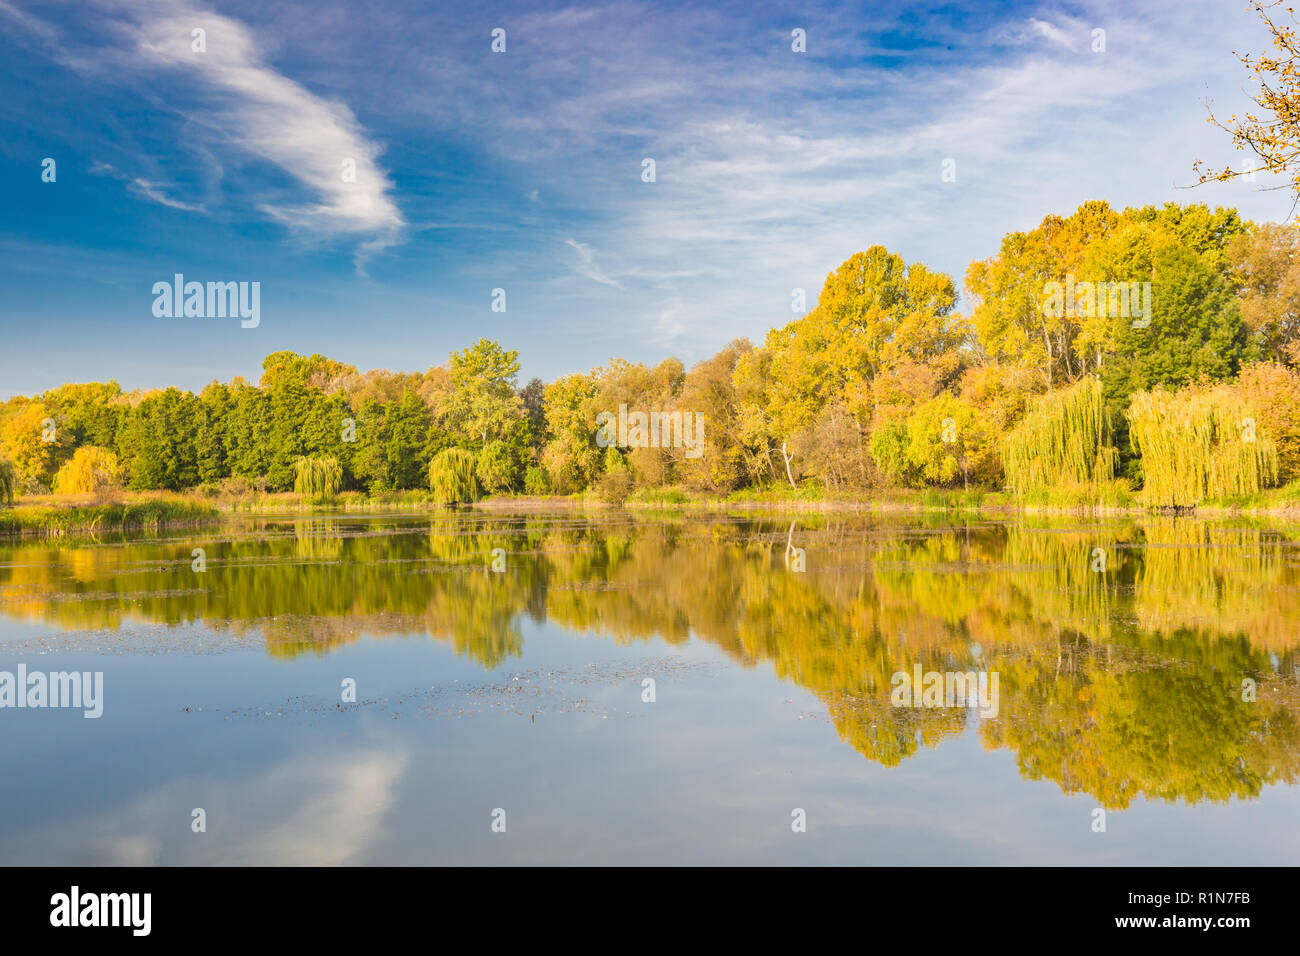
(1120, 650)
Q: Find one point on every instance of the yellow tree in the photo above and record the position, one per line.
(873, 312)
(1266, 267)
(90, 471)
(32, 440)
(1010, 292)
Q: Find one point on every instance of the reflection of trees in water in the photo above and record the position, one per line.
(1118, 681)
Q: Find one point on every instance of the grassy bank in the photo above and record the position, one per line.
(291, 503)
(53, 516)
(1101, 499)
(60, 518)
(1272, 501)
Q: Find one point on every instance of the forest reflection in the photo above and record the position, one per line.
(1122, 647)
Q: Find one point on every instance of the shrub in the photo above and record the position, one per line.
(494, 469)
(1273, 391)
(614, 486)
(535, 481)
(616, 483)
(889, 443)
(8, 482)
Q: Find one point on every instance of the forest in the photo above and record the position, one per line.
(883, 384)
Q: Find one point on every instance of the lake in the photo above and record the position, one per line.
(634, 688)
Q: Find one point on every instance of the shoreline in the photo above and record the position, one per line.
(52, 518)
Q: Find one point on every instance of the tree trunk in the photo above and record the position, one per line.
(787, 466)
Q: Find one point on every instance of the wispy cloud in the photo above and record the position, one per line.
(587, 264)
(235, 99)
(348, 796)
(154, 192)
(1066, 38)
(317, 142)
(774, 167)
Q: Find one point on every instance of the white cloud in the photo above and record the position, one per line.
(153, 191)
(247, 104)
(339, 810)
(1059, 36)
(587, 264)
(773, 169)
(275, 118)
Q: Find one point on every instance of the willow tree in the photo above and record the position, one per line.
(1064, 439)
(8, 481)
(452, 477)
(1197, 444)
(91, 471)
(317, 477)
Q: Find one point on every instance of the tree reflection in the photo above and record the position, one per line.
(1121, 646)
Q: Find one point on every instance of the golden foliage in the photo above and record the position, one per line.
(1065, 439)
(1197, 444)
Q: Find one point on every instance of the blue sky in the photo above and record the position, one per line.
(522, 170)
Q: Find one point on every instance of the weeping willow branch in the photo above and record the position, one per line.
(452, 478)
(1197, 445)
(317, 477)
(1065, 439)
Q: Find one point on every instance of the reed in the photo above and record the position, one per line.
(1198, 444)
(1064, 440)
(144, 515)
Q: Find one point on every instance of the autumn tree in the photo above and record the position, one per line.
(1266, 269)
(1272, 392)
(874, 311)
(571, 457)
(484, 403)
(1272, 134)
(31, 439)
(709, 390)
(90, 471)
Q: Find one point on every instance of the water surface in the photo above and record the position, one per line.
(1122, 650)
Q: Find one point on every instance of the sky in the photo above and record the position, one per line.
(380, 170)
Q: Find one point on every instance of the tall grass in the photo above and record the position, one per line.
(452, 477)
(148, 515)
(317, 477)
(1064, 440)
(1198, 444)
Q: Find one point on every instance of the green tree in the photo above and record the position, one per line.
(495, 467)
(1195, 331)
(451, 477)
(484, 403)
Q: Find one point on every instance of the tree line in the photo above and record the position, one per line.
(882, 384)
